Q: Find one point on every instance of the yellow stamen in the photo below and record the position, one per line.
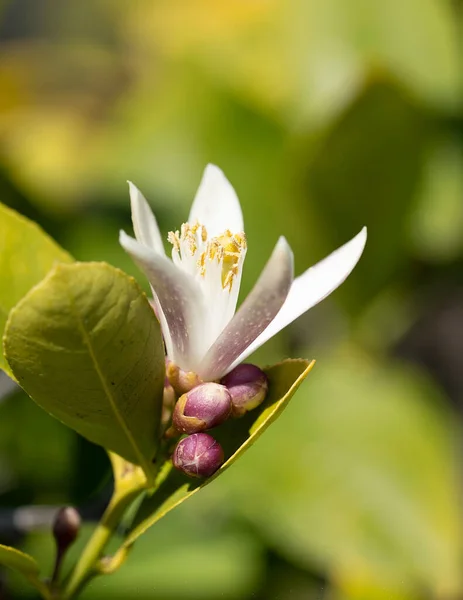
(232, 245)
(202, 264)
(174, 239)
(225, 249)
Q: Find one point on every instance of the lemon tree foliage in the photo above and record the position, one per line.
(27, 254)
(25, 565)
(86, 346)
(235, 436)
(390, 465)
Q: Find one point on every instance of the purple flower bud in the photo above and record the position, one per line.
(66, 526)
(181, 381)
(203, 407)
(248, 386)
(198, 455)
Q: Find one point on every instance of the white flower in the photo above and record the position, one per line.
(195, 293)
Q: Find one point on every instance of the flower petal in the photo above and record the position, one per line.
(144, 222)
(179, 299)
(312, 287)
(257, 311)
(216, 205)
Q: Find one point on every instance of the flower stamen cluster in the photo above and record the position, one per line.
(196, 253)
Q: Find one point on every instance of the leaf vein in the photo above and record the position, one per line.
(106, 388)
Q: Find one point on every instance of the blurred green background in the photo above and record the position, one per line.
(325, 115)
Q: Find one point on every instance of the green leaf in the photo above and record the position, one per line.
(86, 346)
(437, 222)
(17, 560)
(375, 150)
(236, 436)
(27, 254)
(218, 563)
(20, 419)
(25, 565)
(365, 483)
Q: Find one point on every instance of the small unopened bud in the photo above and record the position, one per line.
(248, 386)
(198, 455)
(66, 526)
(181, 381)
(203, 407)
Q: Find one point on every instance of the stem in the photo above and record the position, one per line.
(43, 589)
(60, 552)
(85, 567)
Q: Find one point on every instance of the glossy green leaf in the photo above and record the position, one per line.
(25, 565)
(86, 346)
(236, 436)
(27, 254)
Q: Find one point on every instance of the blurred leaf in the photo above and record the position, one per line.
(35, 472)
(86, 346)
(27, 253)
(358, 590)
(236, 436)
(437, 223)
(365, 483)
(296, 62)
(365, 171)
(333, 43)
(191, 565)
(24, 564)
(64, 468)
(95, 239)
(14, 559)
(187, 555)
(302, 61)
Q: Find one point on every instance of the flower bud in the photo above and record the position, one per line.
(203, 407)
(168, 402)
(181, 381)
(248, 386)
(66, 527)
(198, 455)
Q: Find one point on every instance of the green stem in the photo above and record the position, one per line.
(43, 589)
(86, 565)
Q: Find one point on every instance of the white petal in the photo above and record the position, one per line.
(144, 222)
(163, 322)
(256, 312)
(312, 287)
(178, 297)
(216, 205)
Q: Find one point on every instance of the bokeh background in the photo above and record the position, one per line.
(326, 116)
